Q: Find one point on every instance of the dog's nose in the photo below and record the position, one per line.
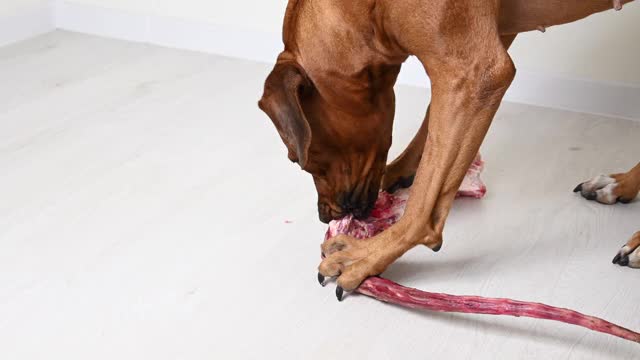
(359, 204)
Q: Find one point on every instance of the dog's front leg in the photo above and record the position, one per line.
(401, 172)
(466, 94)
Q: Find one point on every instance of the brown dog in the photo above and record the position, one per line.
(332, 101)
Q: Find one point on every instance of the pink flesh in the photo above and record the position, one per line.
(390, 292)
(390, 207)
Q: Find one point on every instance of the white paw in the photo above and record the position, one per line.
(628, 256)
(601, 188)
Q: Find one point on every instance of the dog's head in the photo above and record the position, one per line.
(330, 96)
(344, 150)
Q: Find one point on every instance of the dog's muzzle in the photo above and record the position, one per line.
(358, 204)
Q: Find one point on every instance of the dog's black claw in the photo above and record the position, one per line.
(624, 261)
(624, 201)
(437, 248)
(591, 196)
(339, 293)
(578, 188)
(321, 279)
(617, 258)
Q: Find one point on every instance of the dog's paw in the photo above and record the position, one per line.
(399, 175)
(628, 257)
(398, 183)
(604, 189)
(350, 261)
(629, 254)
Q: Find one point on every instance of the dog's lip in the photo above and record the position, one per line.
(334, 214)
(330, 211)
(331, 215)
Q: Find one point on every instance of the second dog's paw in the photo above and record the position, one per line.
(629, 255)
(603, 189)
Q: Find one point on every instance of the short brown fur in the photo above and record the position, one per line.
(331, 97)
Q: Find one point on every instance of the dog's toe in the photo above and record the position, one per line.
(601, 188)
(629, 255)
(617, 258)
(634, 259)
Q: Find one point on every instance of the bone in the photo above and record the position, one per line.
(388, 210)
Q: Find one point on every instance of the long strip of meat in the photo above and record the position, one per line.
(389, 208)
(390, 292)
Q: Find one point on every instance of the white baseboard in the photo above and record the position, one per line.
(609, 99)
(26, 24)
(167, 31)
(601, 98)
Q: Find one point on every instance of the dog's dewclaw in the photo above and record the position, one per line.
(390, 292)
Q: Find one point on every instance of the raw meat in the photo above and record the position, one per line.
(472, 186)
(390, 292)
(390, 207)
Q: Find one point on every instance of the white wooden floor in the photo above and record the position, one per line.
(144, 209)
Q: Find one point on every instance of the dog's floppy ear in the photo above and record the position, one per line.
(283, 90)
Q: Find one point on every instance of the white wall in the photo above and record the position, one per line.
(262, 15)
(602, 47)
(16, 7)
(22, 19)
(605, 47)
(589, 66)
